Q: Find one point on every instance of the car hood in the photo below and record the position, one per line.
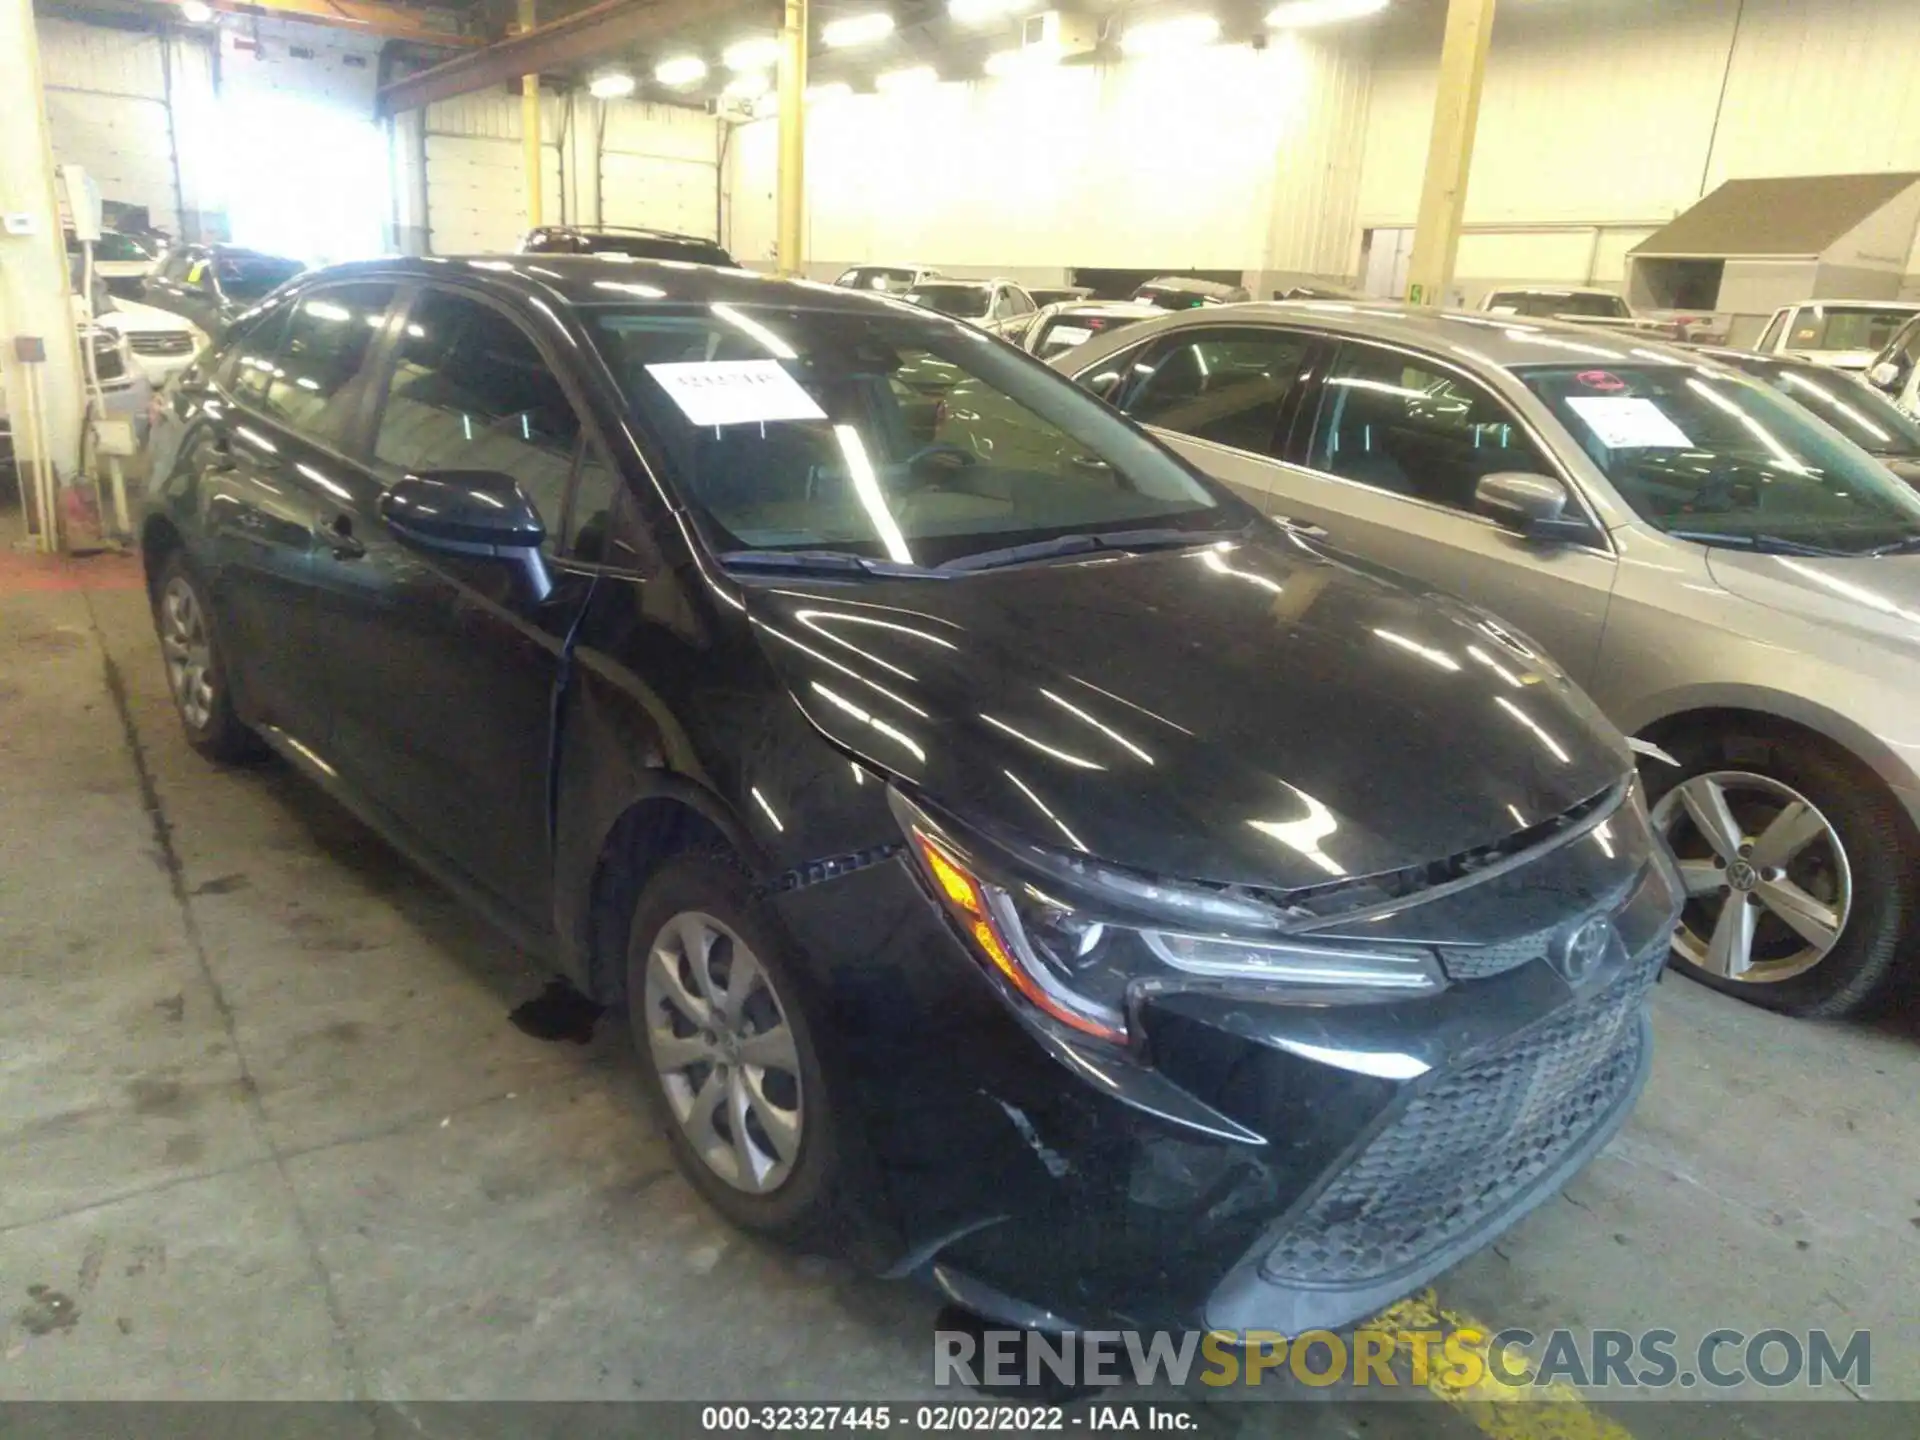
(1257, 714)
(1874, 599)
(132, 318)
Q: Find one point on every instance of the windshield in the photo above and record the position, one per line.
(969, 302)
(1864, 416)
(115, 247)
(888, 435)
(1724, 459)
(1815, 327)
(247, 278)
(1545, 304)
(1173, 297)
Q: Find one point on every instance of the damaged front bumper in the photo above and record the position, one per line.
(1255, 1164)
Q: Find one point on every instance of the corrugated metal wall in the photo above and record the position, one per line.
(1604, 121)
(476, 172)
(107, 111)
(659, 167)
(1230, 158)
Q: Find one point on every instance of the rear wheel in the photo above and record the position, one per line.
(196, 670)
(1798, 892)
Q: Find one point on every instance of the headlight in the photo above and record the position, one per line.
(1073, 955)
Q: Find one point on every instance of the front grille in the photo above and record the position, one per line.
(1476, 962)
(1472, 1144)
(160, 342)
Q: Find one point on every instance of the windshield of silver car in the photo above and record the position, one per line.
(969, 302)
(1726, 460)
(1816, 327)
(885, 434)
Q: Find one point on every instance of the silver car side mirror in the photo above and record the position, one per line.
(1884, 376)
(1527, 504)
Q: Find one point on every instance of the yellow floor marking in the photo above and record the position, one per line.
(1553, 1411)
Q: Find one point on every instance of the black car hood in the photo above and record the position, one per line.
(1257, 714)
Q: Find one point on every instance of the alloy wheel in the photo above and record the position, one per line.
(188, 652)
(718, 1037)
(1768, 886)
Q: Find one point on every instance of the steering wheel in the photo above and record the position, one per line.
(959, 455)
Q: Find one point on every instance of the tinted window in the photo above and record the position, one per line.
(470, 391)
(1726, 460)
(1389, 421)
(1221, 385)
(115, 248)
(1774, 330)
(321, 350)
(969, 302)
(247, 366)
(1109, 377)
(250, 277)
(885, 434)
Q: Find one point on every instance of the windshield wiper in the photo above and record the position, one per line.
(1082, 543)
(820, 562)
(1763, 544)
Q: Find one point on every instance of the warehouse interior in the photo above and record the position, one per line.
(288, 1119)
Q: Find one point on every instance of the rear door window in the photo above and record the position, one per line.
(1225, 385)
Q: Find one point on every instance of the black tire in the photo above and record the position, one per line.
(1873, 832)
(211, 727)
(806, 1208)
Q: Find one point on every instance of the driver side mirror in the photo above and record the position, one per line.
(478, 513)
(1884, 376)
(1530, 505)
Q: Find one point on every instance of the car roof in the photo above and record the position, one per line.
(1913, 305)
(1548, 290)
(593, 280)
(1137, 309)
(1473, 335)
(1188, 282)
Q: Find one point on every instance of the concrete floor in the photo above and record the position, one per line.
(268, 1133)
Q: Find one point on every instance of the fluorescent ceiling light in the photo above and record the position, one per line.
(745, 87)
(1299, 14)
(978, 12)
(857, 30)
(196, 12)
(832, 90)
(1159, 37)
(910, 78)
(755, 53)
(610, 86)
(681, 70)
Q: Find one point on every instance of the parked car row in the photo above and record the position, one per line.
(1022, 863)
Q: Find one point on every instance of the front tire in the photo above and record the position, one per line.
(1799, 895)
(723, 1026)
(196, 668)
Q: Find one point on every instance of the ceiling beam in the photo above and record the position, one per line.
(367, 17)
(599, 33)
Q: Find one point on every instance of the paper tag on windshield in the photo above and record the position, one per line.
(1628, 422)
(735, 392)
(1068, 335)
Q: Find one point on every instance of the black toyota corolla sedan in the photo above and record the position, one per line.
(1021, 865)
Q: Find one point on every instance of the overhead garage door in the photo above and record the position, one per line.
(661, 192)
(477, 193)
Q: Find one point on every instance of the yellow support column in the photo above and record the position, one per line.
(530, 125)
(1456, 115)
(791, 248)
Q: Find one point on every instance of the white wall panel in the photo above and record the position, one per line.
(659, 167)
(477, 194)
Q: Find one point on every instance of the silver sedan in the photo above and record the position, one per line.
(1737, 584)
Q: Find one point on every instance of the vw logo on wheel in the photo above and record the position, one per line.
(1583, 951)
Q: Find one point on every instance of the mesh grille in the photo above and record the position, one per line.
(160, 342)
(1473, 1143)
(1479, 961)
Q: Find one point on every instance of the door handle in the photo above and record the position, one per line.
(341, 540)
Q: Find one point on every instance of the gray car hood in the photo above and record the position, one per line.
(1871, 599)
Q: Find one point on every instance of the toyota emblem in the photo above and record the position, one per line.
(1584, 950)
